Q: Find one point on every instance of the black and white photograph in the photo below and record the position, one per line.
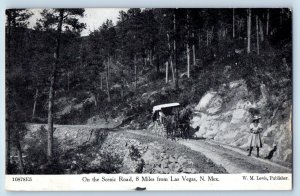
(148, 91)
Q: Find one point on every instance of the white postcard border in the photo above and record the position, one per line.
(149, 182)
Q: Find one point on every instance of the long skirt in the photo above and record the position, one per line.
(255, 140)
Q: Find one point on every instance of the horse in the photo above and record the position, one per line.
(184, 123)
(170, 125)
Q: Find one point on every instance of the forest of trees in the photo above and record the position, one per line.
(53, 60)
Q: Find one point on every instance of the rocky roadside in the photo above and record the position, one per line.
(99, 150)
(146, 154)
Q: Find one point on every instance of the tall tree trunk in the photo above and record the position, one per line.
(51, 90)
(233, 24)
(188, 59)
(34, 103)
(167, 72)
(249, 32)
(172, 70)
(175, 51)
(109, 64)
(268, 20)
(157, 63)
(20, 158)
(188, 45)
(170, 59)
(257, 36)
(194, 50)
(135, 72)
(50, 116)
(261, 31)
(107, 80)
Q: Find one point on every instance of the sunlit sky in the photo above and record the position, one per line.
(94, 17)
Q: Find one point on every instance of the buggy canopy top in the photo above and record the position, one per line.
(167, 105)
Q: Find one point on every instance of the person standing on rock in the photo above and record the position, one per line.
(255, 137)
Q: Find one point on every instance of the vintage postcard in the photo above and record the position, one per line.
(148, 99)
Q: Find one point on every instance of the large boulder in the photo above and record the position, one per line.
(210, 103)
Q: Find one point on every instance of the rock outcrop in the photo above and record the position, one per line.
(225, 116)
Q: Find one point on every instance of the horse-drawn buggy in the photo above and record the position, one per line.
(170, 121)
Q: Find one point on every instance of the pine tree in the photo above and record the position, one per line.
(55, 19)
(249, 31)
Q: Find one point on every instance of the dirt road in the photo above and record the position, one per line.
(232, 159)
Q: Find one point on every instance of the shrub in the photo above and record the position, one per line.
(110, 163)
(36, 155)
